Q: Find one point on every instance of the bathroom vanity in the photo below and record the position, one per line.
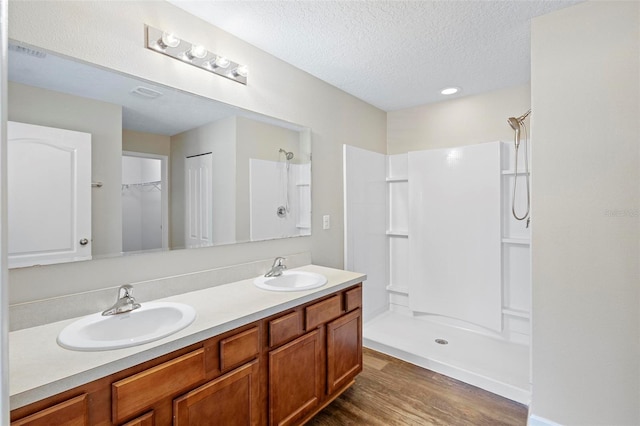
(252, 357)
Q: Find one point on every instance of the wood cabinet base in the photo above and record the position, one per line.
(281, 370)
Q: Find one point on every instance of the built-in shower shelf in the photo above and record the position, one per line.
(302, 184)
(398, 289)
(512, 172)
(398, 179)
(404, 234)
(521, 241)
(516, 313)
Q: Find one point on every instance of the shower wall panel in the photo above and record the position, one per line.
(455, 233)
(273, 186)
(365, 201)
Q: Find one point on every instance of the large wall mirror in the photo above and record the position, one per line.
(105, 164)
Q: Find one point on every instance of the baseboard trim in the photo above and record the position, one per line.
(540, 421)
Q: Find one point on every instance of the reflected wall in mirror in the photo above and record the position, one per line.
(171, 169)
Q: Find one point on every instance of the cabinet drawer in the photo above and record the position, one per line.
(285, 328)
(322, 312)
(69, 413)
(139, 392)
(239, 348)
(352, 299)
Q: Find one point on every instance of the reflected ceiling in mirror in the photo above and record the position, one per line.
(177, 170)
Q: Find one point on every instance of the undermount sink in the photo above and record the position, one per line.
(152, 321)
(291, 281)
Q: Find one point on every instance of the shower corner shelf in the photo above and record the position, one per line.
(521, 241)
(516, 313)
(397, 289)
(398, 233)
(398, 179)
(512, 172)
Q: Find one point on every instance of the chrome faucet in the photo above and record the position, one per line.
(125, 302)
(277, 267)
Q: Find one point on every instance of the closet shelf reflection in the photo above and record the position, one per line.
(143, 185)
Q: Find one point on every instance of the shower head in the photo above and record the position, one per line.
(514, 123)
(288, 155)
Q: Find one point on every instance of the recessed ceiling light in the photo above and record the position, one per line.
(450, 90)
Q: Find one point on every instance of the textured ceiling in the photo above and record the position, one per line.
(392, 54)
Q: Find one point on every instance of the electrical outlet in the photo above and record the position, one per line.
(326, 221)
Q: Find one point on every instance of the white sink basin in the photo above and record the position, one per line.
(291, 281)
(152, 321)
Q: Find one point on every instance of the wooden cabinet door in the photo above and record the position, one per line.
(69, 413)
(295, 379)
(344, 350)
(229, 400)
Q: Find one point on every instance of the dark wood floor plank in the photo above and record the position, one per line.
(390, 392)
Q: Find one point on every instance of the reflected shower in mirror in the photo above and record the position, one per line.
(170, 169)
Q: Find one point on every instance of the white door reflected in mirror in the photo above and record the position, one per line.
(49, 170)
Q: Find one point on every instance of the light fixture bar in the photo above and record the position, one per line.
(194, 54)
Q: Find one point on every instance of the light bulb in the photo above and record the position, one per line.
(168, 40)
(221, 62)
(217, 62)
(196, 51)
(241, 71)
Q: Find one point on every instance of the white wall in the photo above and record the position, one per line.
(586, 199)
(462, 121)
(4, 287)
(111, 34)
(103, 121)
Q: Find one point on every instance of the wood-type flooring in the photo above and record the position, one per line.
(392, 392)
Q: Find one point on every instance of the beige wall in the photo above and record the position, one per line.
(103, 121)
(111, 34)
(148, 143)
(463, 121)
(586, 198)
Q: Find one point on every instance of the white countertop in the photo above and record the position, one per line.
(39, 368)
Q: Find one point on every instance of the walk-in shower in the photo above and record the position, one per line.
(517, 123)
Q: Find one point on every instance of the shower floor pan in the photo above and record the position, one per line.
(491, 364)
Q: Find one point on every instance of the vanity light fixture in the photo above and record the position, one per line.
(193, 54)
